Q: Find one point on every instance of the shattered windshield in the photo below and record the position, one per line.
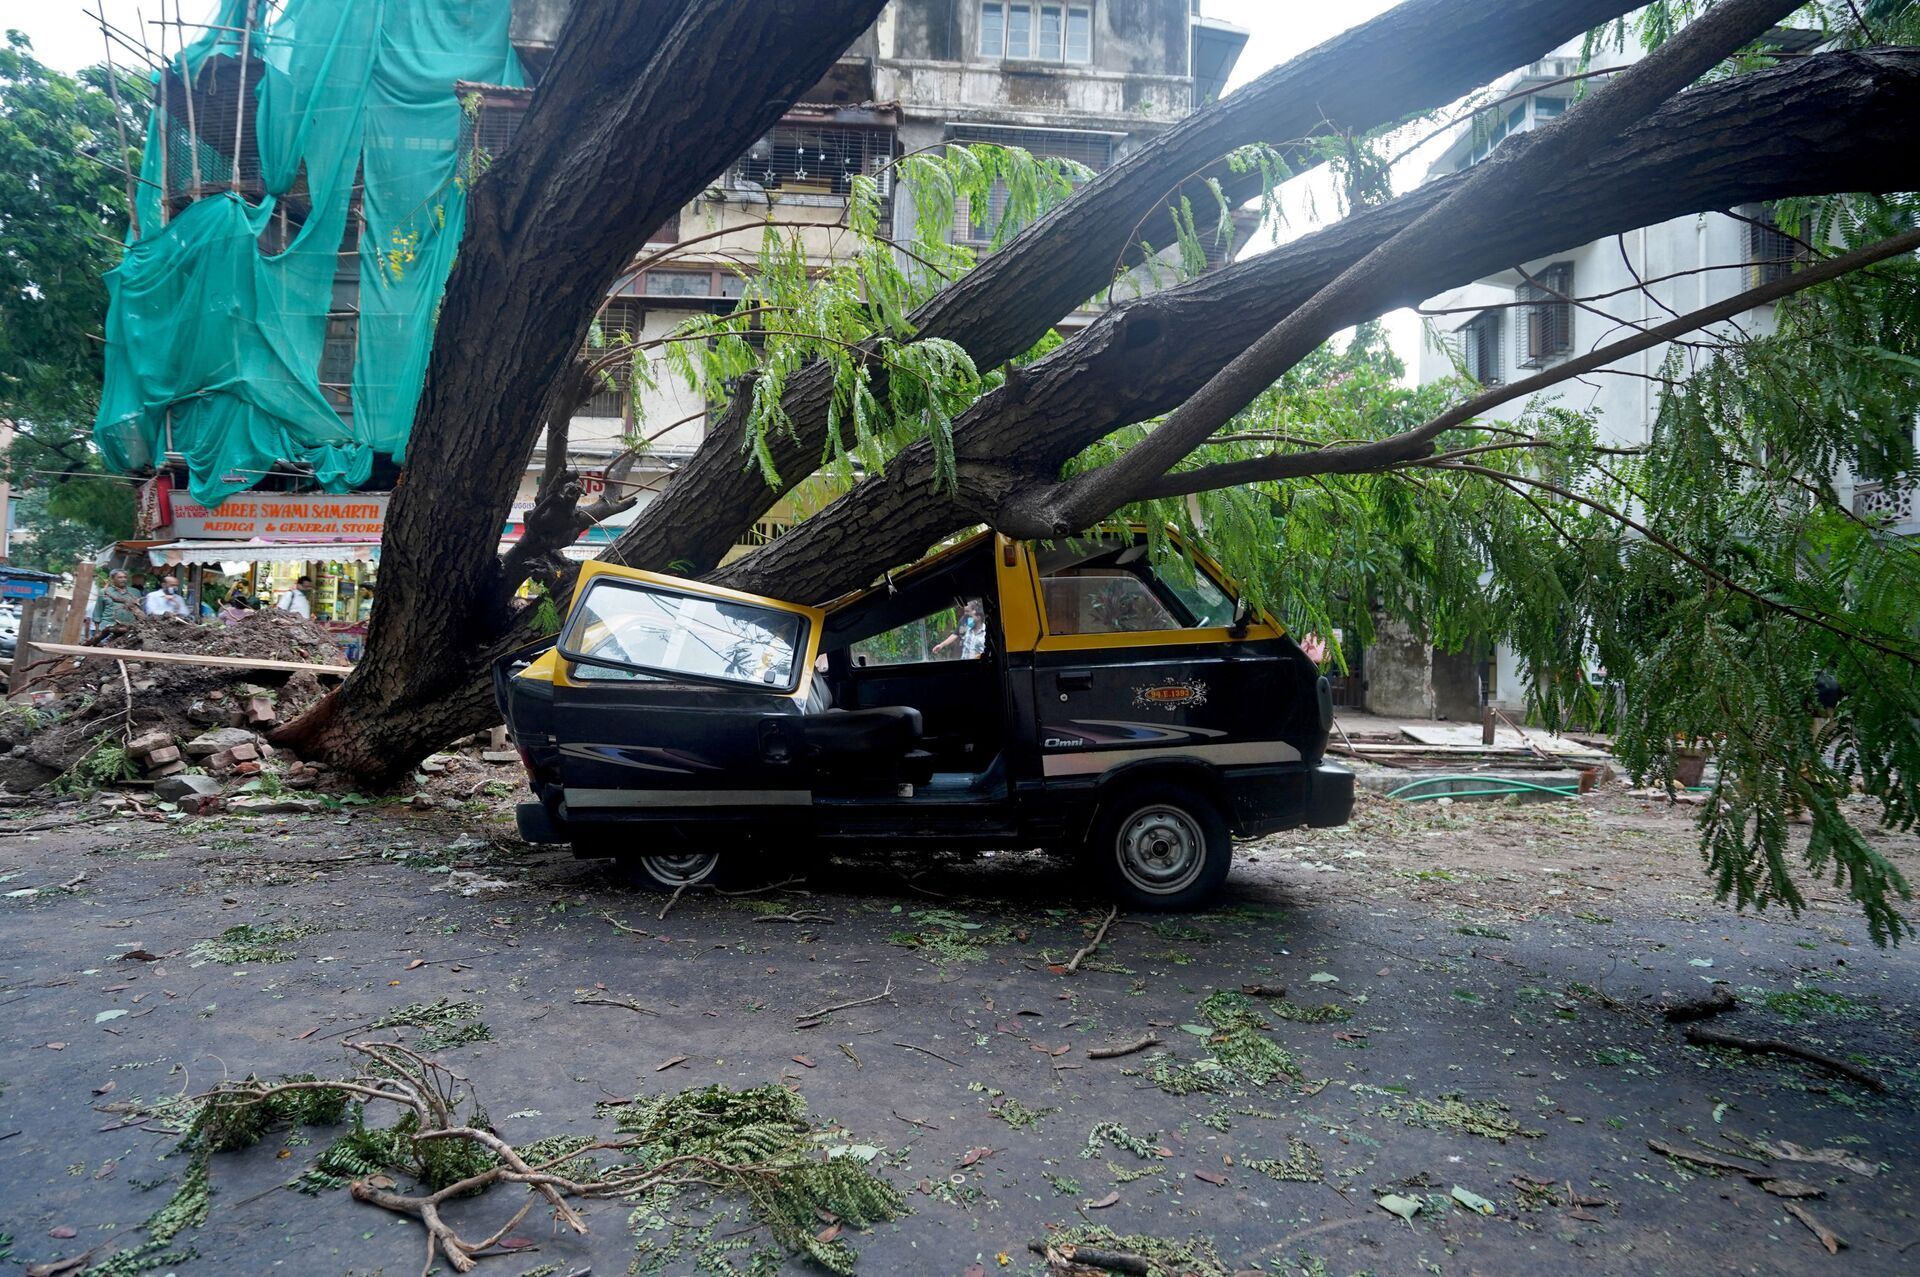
(657, 631)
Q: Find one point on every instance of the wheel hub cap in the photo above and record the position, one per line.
(1161, 850)
(682, 868)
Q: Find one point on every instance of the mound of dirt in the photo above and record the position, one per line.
(88, 698)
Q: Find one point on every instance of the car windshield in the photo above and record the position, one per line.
(656, 631)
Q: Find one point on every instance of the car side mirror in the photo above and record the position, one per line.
(1241, 615)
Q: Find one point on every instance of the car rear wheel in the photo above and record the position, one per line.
(673, 870)
(1162, 847)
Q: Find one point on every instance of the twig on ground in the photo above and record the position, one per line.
(824, 1012)
(1058, 1254)
(1094, 943)
(935, 1054)
(1679, 1009)
(621, 926)
(782, 885)
(1828, 1238)
(672, 900)
(1707, 1160)
(914, 1121)
(1773, 1046)
(612, 1000)
(798, 915)
(1128, 1048)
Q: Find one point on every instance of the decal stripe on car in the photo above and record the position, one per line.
(1094, 761)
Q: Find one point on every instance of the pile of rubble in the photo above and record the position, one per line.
(64, 714)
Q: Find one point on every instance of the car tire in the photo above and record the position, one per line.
(676, 865)
(671, 871)
(1163, 847)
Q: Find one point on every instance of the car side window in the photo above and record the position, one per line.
(1103, 601)
(956, 632)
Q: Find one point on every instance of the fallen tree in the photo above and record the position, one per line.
(1052, 444)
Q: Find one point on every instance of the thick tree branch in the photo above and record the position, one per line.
(1504, 179)
(1415, 446)
(1419, 55)
(1832, 122)
(686, 84)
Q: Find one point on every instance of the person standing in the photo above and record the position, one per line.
(167, 600)
(119, 603)
(296, 600)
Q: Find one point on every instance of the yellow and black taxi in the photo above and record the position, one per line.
(1073, 696)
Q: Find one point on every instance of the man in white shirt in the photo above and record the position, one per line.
(295, 600)
(167, 600)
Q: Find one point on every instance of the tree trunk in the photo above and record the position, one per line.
(686, 85)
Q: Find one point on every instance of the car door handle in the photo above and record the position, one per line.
(1074, 680)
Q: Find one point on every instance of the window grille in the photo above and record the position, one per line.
(1888, 502)
(1479, 345)
(1772, 254)
(807, 158)
(1544, 328)
(1095, 150)
(493, 119)
(619, 317)
(336, 355)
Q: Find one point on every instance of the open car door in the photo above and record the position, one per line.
(678, 700)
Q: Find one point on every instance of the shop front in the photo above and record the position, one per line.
(260, 544)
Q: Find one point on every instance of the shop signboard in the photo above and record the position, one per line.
(280, 516)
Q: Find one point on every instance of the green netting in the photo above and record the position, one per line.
(217, 320)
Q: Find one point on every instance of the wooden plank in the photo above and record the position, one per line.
(191, 658)
(77, 613)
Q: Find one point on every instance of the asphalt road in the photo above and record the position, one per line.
(1507, 960)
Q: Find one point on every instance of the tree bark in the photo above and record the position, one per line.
(1418, 56)
(1832, 122)
(683, 85)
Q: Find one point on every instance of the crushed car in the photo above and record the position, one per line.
(1077, 697)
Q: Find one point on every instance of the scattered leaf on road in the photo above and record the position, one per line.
(1405, 1207)
(802, 1060)
(1104, 1202)
(668, 1063)
(63, 1232)
(1472, 1200)
(1210, 1176)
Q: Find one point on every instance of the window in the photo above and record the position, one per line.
(640, 630)
(957, 632)
(1479, 343)
(619, 325)
(1095, 150)
(1545, 109)
(679, 283)
(803, 157)
(1544, 330)
(1109, 587)
(1019, 31)
(1772, 254)
(993, 29)
(1039, 32)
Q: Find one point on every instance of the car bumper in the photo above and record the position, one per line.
(1319, 797)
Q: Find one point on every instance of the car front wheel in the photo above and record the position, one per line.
(1163, 847)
